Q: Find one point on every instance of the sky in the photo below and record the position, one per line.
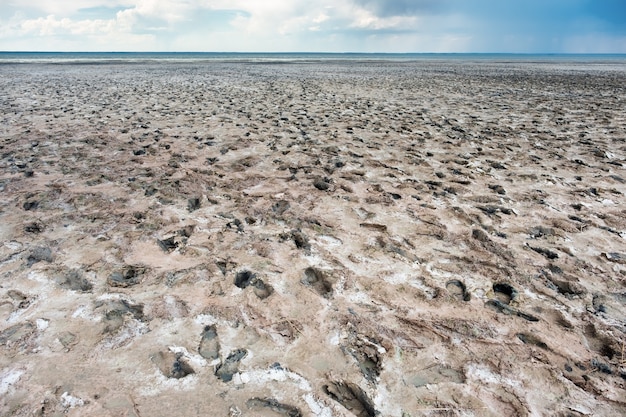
(515, 26)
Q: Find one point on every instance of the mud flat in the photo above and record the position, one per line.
(313, 239)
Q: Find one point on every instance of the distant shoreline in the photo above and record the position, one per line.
(113, 57)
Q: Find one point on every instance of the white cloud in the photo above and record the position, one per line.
(258, 25)
(280, 25)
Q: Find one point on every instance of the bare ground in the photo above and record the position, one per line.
(315, 239)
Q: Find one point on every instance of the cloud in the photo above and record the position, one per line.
(385, 8)
(323, 25)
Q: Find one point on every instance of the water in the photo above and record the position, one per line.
(144, 57)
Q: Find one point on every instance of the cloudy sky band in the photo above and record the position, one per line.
(524, 26)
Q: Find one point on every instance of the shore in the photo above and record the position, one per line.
(313, 238)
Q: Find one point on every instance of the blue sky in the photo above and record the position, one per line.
(521, 26)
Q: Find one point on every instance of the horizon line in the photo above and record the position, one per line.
(310, 52)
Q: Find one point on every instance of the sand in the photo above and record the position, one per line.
(435, 238)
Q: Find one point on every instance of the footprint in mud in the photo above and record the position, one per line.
(261, 289)
(116, 310)
(274, 405)
(437, 374)
(209, 347)
(301, 240)
(244, 278)
(225, 266)
(557, 317)
(127, 277)
(17, 335)
(172, 365)
(374, 226)
(67, 339)
(230, 366)
(545, 252)
(280, 207)
(319, 280)
(577, 373)
(504, 292)
(611, 305)
(530, 339)
(20, 299)
(458, 290)
(38, 254)
(168, 244)
(74, 280)
(179, 238)
(567, 286)
(34, 227)
(604, 345)
(30, 205)
(322, 184)
(352, 397)
(500, 307)
(194, 203)
(368, 353)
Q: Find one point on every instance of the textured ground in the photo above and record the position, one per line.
(315, 239)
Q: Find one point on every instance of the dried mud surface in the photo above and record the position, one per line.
(313, 239)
